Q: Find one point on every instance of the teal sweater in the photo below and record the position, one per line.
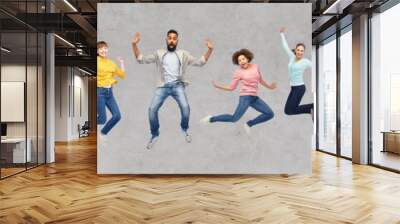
(296, 68)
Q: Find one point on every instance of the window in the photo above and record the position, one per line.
(327, 96)
(346, 93)
(385, 89)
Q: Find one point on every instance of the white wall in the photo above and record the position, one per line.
(16, 73)
(81, 100)
(33, 127)
(69, 85)
(61, 103)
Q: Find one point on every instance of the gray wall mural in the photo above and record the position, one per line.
(281, 145)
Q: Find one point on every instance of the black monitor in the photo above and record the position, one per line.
(3, 129)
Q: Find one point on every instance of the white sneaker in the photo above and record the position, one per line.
(188, 138)
(247, 128)
(152, 141)
(206, 120)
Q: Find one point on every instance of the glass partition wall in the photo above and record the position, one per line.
(346, 93)
(385, 90)
(334, 118)
(22, 77)
(327, 95)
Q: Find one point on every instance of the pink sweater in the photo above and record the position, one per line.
(249, 78)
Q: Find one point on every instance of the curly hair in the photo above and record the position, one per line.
(245, 52)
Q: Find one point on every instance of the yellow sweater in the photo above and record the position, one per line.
(106, 70)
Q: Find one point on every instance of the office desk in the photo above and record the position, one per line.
(391, 141)
(16, 147)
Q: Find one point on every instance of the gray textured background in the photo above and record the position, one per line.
(282, 145)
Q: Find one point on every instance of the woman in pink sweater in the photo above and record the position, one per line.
(249, 76)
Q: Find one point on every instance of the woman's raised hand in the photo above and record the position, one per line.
(121, 63)
(136, 38)
(283, 30)
(120, 59)
(209, 44)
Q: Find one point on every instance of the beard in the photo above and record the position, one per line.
(171, 48)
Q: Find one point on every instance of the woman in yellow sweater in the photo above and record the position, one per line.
(106, 71)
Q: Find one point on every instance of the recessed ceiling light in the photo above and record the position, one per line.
(5, 50)
(84, 71)
(328, 10)
(70, 5)
(64, 40)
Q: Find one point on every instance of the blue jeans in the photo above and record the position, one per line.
(244, 103)
(105, 98)
(177, 91)
(293, 106)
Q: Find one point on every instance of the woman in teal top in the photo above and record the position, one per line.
(297, 65)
